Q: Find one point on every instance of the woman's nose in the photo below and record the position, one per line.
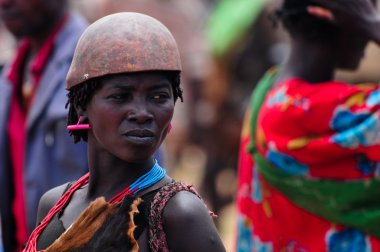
(139, 112)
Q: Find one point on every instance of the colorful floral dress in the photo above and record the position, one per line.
(323, 134)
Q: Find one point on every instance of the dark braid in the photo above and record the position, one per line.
(176, 85)
(80, 95)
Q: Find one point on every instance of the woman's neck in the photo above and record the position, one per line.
(110, 175)
(313, 62)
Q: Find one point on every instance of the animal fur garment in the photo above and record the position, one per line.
(103, 227)
(84, 227)
(132, 225)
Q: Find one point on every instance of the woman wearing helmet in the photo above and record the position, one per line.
(123, 84)
(308, 172)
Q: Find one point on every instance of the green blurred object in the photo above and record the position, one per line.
(229, 22)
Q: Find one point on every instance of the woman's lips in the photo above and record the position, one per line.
(140, 136)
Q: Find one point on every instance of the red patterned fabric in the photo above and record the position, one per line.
(327, 130)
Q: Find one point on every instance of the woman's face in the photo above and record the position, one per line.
(130, 114)
(350, 49)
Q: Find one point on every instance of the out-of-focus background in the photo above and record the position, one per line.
(225, 46)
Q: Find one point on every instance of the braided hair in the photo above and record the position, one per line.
(79, 96)
(295, 18)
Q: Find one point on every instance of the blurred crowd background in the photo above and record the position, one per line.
(225, 46)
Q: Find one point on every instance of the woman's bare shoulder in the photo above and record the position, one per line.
(48, 200)
(189, 226)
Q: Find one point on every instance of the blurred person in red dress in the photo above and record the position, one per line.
(308, 166)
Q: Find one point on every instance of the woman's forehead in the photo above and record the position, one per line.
(143, 78)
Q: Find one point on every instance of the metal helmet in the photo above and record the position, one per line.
(124, 42)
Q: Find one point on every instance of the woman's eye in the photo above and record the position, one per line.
(160, 97)
(119, 96)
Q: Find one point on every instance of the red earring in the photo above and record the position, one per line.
(79, 126)
(170, 127)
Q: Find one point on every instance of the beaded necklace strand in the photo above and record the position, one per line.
(151, 177)
(155, 174)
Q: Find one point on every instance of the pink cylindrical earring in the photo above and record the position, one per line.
(79, 126)
(169, 128)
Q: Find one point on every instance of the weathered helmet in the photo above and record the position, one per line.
(124, 42)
